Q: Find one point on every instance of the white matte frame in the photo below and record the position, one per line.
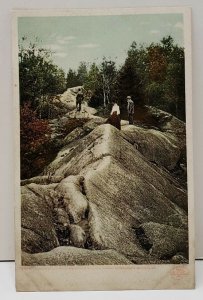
(166, 276)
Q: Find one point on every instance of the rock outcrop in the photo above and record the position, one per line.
(38, 233)
(163, 241)
(159, 147)
(74, 256)
(116, 191)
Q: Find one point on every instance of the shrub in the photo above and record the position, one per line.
(34, 135)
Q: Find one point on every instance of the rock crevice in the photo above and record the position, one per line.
(104, 194)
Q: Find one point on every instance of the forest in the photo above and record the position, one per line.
(93, 193)
(153, 75)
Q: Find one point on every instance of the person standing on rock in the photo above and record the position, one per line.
(114, 118)
(130, 109)
(79, 99)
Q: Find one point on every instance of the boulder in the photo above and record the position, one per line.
(72, 256)
(105, 140)
(71, 142)
(38, 232)
(132, 185)
(158, 147)
(179, 259)
(77, 133)
(164, 241)
(170, 124)
(75, 201)
(112, 188)
(77, 236)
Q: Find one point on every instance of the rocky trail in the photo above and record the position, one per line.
(109, 196)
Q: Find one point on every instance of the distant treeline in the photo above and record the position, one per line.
(152, 75)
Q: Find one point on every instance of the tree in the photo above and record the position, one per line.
(126, 83)
(166, 86)
(175, 77)
(131, 77)
(93, 78)
(108, 75)
(72, 79)
(100, 83)
(157, 63)
(154, 75)
(82, 73)
(93, 86)
(38, 76)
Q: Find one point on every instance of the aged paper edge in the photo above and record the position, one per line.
(61, 278)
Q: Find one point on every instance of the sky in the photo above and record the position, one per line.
(90, 38)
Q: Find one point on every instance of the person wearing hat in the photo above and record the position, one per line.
(130, 109)
(79, 99)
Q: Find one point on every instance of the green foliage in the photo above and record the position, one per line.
(72, 79)
(96, 98)
(108, 74)
(93, 78)
(77, 78)
(38, 76)
(93, 86)
(82, 73)
(128, 84)
(100, 81)
(133, 75)
(154, 75)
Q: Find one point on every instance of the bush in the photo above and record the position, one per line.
(34, 135)
(38, 75)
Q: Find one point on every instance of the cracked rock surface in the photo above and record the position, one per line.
(111, 198)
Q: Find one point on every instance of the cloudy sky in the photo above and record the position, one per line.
(88, 38)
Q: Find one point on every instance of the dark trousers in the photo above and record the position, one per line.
(78, 106)
(130, 118)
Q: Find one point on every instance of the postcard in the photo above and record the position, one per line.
(103, 149)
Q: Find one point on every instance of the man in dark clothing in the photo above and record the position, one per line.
(79, 99)
(130, 109)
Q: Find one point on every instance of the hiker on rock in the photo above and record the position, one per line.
(114, 118)
(79, 99)
(130, 109)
